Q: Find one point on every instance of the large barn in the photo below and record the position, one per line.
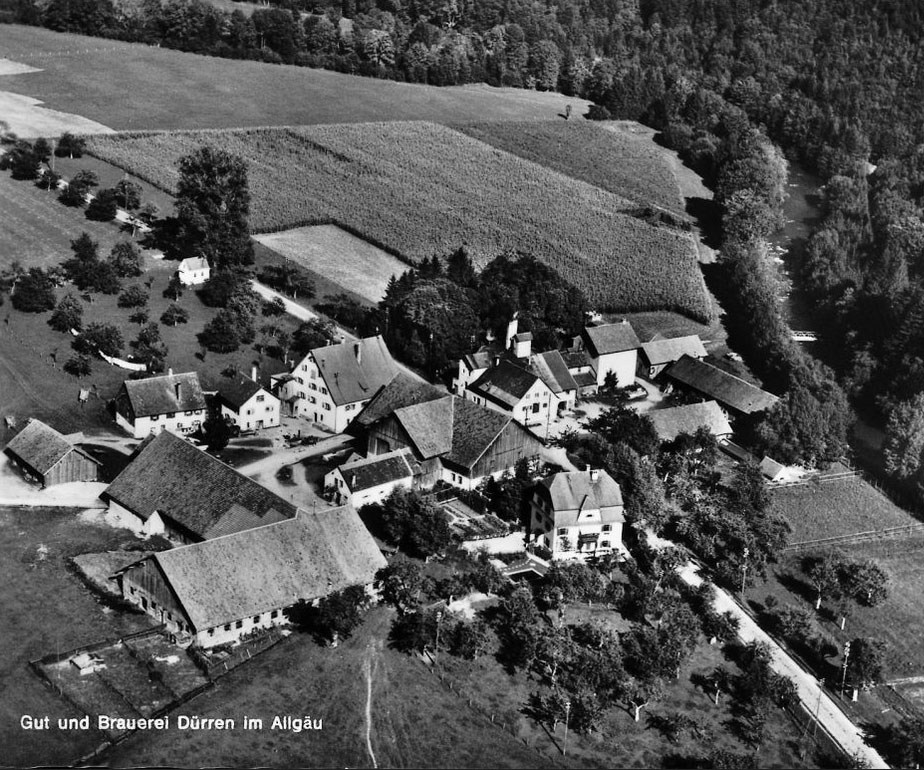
(44, 455)
(217, 591)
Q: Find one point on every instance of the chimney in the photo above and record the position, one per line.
(497, 360)
(512, 329)
(358, 351)
(178, 388)
(594, 475)
(352, 480)
(253, 372)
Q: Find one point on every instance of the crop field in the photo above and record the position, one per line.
(419, 189)
(343, 258)
(835, 508)
(130, 86)
(618, 161)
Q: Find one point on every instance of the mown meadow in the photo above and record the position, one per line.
(418, 189)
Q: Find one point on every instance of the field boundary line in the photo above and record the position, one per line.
(857, 537)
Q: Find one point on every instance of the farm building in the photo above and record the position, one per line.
(513, 390)
(247, 404)
(171, 488)
(577, 362)
(173, 402)
(655, 356)
(44, 455)
(670, 423)
(577, 514)
(370, 479)
(217, 591)
(193, 271)
(331, 384)
(710, 382)
(612, 348)
(451, 438)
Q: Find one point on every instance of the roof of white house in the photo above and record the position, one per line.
(670, 423)
(355, 371)
(610, 338)
(41, 447)
(571, 492)
(505, 384)
(240, 390)
(246, 573)
(553, 371)
(165, 394)
(193, 263)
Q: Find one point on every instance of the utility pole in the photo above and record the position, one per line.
(844, 672)
(564, 746)
(439, 620)
(744, 568)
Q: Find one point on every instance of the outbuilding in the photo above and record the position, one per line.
(44, 455)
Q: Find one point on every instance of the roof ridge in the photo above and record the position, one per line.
(289, 520)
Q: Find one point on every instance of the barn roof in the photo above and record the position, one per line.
(41, 447)
(670, 423)
(505, 383)
(571, 492)
(429, 425)
(716, 383)
(246, 573)
(165, 394)
(663, 351)
(354, 371)
(170, 476)
(403, 390)
(373, 471)
(610, 338)
(474, 429)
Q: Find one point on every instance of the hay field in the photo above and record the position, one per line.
(419, 189)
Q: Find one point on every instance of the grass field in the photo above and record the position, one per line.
(619, 161)
(836, 508)
(343, 258)
(130, 86)
(424, 189)
(46, 610)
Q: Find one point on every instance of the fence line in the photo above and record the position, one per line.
(857, 537)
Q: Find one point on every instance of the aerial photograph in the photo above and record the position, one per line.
(462, 383)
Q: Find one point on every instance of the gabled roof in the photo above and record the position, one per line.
(170, 476)
(158, 395)
(575, 359)
(474, 429)
(429, 425)
(716, 383)
(403, 390)
(771, 469)
(246, 573)
(505, 384)
(610, 338)
(553, 371)
(239, 391)
(41, 447)
(354, 371)
(480, 359)
(670, 423)
(369, 472)
(667, 351)
(193, 263)
(571, 492)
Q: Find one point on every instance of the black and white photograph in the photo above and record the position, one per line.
(462, 384)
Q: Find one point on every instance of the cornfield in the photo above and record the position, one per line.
(418, 189)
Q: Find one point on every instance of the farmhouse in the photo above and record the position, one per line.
(710, 382)
(612, 348)
(655, 356)
(217, 591)
(193, 271)
(44, 455)
(670, 423)
(513, 390)
(247, 404)
(331, 384)
(451, 438)
(171, 488)
(370, 479)
(577, 514)
(173, 402)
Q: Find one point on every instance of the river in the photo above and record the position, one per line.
(800, 212)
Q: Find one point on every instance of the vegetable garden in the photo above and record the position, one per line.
(418, 189)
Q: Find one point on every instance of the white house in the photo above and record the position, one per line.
(514, 390)
(173, 402)
(577, 514)
(217, 591)
(193, 270)
(331, 384)
(370, 479)
(249, 405)
(612, 348)
(471, 367)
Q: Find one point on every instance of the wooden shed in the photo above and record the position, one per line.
(44, 455)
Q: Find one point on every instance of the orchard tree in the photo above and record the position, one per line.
(133, 296)
(68, 314)
(401, 583)
(126, 260)
(79, 365)
(35, 292)
(103, 207)
(106, 338)
(42, 149)
(174, 288)
(223, 334)
(316, 333)
(212, 207)
(48, 180)
(824, 573)
(866, 663)
(174, 315)
(24, 161)
(75, 194)
(70, 146)
(128, 195)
